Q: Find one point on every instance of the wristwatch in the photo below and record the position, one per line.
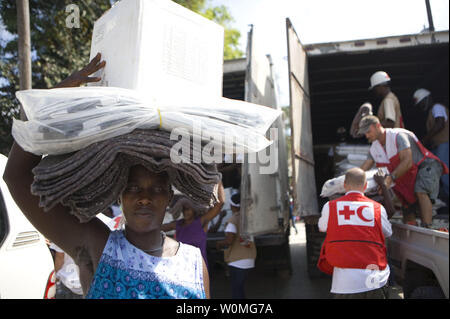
(393, 177)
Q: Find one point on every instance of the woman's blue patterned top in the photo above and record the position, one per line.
(126, 272)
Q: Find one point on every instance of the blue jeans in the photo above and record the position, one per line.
(441, 151)
(238, 276)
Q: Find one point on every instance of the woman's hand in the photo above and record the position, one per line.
(82, 76)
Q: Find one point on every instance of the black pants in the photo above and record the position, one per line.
(380, 293)
(238, 277)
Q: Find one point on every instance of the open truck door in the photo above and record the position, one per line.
(302, 152)
(304, 181)
(264, 182)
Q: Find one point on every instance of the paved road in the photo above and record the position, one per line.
(268, 285)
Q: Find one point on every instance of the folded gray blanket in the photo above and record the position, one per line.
(91, 179)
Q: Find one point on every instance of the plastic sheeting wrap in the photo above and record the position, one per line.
(354, 156)
(335, 186)
(68, 119)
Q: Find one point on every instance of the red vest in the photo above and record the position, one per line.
(354, 235)
(389, 157)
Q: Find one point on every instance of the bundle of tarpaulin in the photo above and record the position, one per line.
(92, 136)
(91, 179)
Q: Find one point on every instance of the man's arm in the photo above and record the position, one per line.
(387, 123)
(439, 125)
(229, 237)
(405, 164)
(59, 261)
(368, 164)
(169, 226)
(323, 220)
(216, 226)
(389, 113)
(388, 201)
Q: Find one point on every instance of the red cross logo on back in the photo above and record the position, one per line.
(347, 212)
(355, 213)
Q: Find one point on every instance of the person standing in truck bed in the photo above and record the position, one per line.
(389, 111)
(414, 171)
(437, 130)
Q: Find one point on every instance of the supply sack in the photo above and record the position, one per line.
(69, 119)
(335, 186)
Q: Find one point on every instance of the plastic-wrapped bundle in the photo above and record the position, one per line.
(335, 186)
(68, 119)
(345, 150)
(356, 159)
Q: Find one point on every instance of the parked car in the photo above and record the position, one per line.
(26, 264)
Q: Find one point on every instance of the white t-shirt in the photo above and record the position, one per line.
(242, 263)
(69, 274)
(438, 110)
(349, 280)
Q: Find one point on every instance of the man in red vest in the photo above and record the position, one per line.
(354, 250)
(414, 170)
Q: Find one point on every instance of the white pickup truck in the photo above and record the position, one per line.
(419, 258)
(26, 265)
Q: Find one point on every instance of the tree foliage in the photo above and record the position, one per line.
(57, 50)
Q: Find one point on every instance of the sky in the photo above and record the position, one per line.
(319, 21)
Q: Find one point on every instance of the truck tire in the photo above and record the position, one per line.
(275, 257)
(427, 292)
(416, 278)
(286, 270)
(314, 240)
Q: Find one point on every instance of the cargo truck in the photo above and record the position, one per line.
(263, 184)
(328, 83)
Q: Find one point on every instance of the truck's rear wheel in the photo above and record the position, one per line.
(427, 292)
(420, 283)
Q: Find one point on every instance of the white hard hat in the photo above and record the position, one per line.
(419, 95)
(378, 78)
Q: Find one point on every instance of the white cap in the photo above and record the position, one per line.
(419, 95)
(378, 78)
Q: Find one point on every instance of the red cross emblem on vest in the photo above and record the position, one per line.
(352, 213)
(347, 212)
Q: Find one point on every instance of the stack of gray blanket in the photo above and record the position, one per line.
(91, 179)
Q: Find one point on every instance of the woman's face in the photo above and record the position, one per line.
(188, 213)
(145, 199)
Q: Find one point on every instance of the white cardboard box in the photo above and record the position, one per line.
(160, 49)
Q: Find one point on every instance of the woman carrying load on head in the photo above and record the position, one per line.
(136, 262)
